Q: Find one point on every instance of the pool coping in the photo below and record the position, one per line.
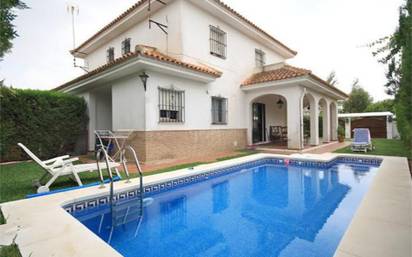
(380, 227)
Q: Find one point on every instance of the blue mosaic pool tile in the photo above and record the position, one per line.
(177, 183)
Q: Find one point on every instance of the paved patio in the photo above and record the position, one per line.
(320, 149)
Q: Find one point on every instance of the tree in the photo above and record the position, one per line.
(397, 55)
(358, 100)
(387, 105)
(7, 29)
(332, 80)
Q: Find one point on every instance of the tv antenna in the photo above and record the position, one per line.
(73, 10)
(161, 26)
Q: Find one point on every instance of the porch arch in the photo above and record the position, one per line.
(324, 113)
(311, 114)
(275, 114)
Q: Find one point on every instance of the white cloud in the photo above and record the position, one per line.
(328, 35)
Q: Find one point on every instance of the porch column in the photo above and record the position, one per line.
(334, 121)
(314, 120)
(389, 127)
(326, 123)
(91, 111)
(294, 121)
(348, 131)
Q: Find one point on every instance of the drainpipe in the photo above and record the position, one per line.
(301, 137)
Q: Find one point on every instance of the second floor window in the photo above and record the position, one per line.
(217, 42)
(110, 54)
(126, 46)
(219, 110)
(259, 58)
(171, 105)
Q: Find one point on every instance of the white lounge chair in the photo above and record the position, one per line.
(63, 166)
(361, 140)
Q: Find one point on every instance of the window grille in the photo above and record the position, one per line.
(126, 46)
(260, 58)
(110, 54)
(219, 110)
(171, 105)
(217, 42)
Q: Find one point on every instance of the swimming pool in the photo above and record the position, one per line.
(264, 208)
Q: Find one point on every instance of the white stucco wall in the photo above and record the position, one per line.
(197, 103)
(103, 109)
(141, 34)
(128, 101)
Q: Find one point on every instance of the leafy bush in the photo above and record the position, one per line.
(49, 123)
(341, 131)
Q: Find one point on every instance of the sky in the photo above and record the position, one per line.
(329, 35)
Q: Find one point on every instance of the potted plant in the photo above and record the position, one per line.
(341, 134)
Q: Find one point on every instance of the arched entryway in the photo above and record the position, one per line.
(310, 114)
(269, 119)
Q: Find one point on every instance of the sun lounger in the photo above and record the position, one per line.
(361, 140)
(63, 166)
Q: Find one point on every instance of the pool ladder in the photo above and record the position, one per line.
(129, 210)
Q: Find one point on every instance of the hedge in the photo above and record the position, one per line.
(47, 122)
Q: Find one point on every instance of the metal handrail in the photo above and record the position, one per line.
(123, 160)
(109, 171)
(139, 169)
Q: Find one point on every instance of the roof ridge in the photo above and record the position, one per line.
(108, 25)
(226, 6)
(141, 2)
(297, 68)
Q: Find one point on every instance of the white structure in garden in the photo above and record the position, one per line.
(200, 79)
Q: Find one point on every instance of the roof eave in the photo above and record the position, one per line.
(339, 95)
(146, 63)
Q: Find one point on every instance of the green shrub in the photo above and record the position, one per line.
(47, 122)
(341, 131)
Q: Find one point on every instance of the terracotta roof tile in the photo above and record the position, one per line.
(285, 72)
(282, 73)
(148, 52)
(141, 2)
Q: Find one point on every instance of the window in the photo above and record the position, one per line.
(171, 105)
(219, 110)
(259, 58)
(110, 54)
(217, 42)
(126, 46)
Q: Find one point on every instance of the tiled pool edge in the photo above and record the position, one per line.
(48, 230)
(171, 184)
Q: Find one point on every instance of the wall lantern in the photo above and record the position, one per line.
(280, 103)
(390, 119)
(144, 78)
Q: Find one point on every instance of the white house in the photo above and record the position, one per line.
(214, 82)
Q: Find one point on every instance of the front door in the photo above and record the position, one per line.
(259, 123)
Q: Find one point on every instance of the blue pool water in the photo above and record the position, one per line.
(268, 210)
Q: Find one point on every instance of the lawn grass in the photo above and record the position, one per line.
(387, 147)
(16, 179)
(10, 251)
